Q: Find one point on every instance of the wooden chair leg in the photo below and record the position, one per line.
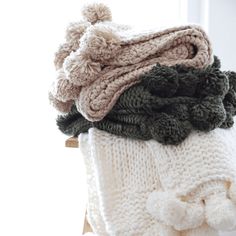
(87, 228)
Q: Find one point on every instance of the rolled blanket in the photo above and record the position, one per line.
(166, 105)
(109, 60)
(200, 172)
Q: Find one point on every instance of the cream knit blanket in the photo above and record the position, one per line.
(132, 182)
(110, 58)
(120, 179)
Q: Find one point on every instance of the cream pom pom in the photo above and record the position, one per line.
(232, 192)
(167, 208)
(220, 213)
(101, 43)
(75, 31)
(96, 12)
(80, 69)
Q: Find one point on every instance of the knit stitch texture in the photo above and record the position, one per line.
(127, 172)
(104, 59)
(166, 105)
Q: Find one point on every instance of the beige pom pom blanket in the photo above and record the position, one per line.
(110, 58)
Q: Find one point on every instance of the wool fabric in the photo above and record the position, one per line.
(198, 172)
(105, 59)
(121, 173)
(166, 105)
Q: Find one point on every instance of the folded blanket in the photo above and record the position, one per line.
(135, 188)
(120, 179)
(166, 105)
(109, 60)
(200, 172)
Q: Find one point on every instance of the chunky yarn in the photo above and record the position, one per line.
(102, 59)
(143, 187)
(189, 99)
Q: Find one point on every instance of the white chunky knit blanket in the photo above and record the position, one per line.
(139, 188)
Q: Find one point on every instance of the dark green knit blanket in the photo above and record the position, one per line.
(166, 105)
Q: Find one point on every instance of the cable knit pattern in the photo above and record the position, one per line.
(105, 59)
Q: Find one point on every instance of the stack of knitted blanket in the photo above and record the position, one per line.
(166, 105)
(154, 113)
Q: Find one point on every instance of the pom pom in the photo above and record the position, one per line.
(74, 32)
(232, 192)
(220, 213)
(213, 82)
(167, 208)
(63, 107)
(101, 43)
(60, 56)
(96, 12)
(208, 115)
(161, 81)
(228, 122)
(168, 130)
(63, 89)
(179, 111)
(80, 69)
(232, 79)
(187, 83)
(216, 64)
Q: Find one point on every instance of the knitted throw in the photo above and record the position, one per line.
(166, 105)
(109, 59)
(141, 188)
(120, 179)
(197, 176)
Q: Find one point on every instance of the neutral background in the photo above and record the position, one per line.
(42, 184)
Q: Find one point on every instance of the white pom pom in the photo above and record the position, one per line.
(220, 213)
(101, 43)
(96, 12)
(170, 210)
(80, 69)
(232, 192)
(75, 31)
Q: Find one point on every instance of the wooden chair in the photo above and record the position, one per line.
(74, 143)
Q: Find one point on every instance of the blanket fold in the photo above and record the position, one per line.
(166, 105)
(106, 59)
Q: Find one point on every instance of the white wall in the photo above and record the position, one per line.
(222, 30)
(218, 18)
